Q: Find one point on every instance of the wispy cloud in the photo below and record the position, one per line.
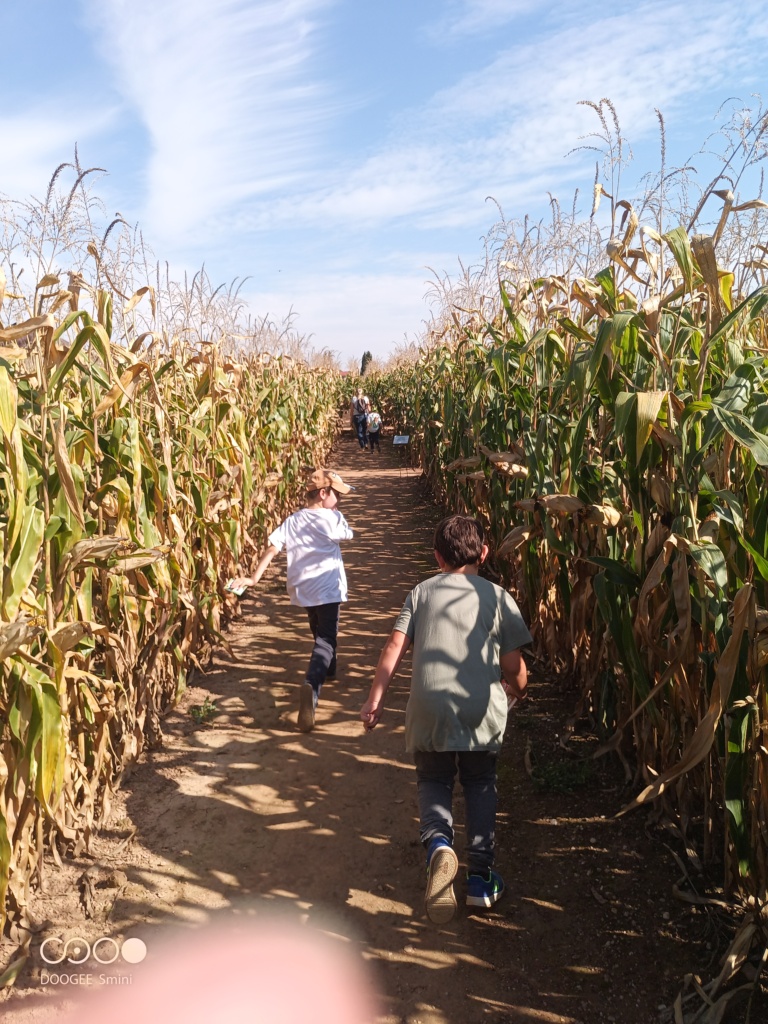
(505, 129)
(41, 138)
(463, 17)
(224, 93)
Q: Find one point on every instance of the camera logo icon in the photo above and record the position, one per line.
(105, 950)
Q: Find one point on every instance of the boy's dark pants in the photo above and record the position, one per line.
(324, 623)
(373, 439)
(360, 422)
(435, 775)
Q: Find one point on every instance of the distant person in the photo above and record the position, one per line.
(316, 579)
(359, 409)
(466, 633)
(373, 425)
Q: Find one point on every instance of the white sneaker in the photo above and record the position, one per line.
(439, 898)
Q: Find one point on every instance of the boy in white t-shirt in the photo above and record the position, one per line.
(315, 579)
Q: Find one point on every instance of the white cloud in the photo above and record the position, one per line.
(225, 96)
(505, 129)
(349, 312)
(38, 140)
(470, 16)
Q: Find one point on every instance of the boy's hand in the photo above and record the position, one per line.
(239, 585)
(370, 713)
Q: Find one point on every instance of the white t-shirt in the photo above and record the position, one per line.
(315, 570)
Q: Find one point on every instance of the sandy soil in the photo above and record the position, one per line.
(243, 814)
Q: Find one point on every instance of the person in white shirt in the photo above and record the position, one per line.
(315, 579)
(374, 430)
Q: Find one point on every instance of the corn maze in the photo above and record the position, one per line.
(606, 417)
(134, 477)
(612, 433)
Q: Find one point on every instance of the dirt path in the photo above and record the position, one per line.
(245, 809)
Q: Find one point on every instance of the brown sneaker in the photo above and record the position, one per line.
(307, 703)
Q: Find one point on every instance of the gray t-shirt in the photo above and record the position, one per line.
(459, 626)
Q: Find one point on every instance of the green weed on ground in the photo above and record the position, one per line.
(202, 713)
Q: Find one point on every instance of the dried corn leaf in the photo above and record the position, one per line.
(62, 458)
(601, 515)
(704, 736)
(136, 298)
(126, 387)
(515, 538)
(561, 504)
(138, 560)
(464, 463)
(515, 471)
(21, 330)
(15, 635)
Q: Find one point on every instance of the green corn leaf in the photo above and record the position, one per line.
(59, 374)
(737, 390)
(761, 563)
(680, 246)
(5, 866)
(609, 333)
(50, 774)
(741, 430)
(754, 303)
(9, 400)
(616, 572)
(649, 405)
(711, 560)
(25, 560)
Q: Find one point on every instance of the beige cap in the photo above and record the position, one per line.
(327, 478)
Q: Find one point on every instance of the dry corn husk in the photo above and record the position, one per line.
(709, 529)
(660, 490)
(14, 635)
(110, 505)
(516, 537)
(554, 504)
(515, 471)
(601, 515)
(509, 458)
(465, 463)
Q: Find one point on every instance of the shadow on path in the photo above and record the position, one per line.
(245, 814)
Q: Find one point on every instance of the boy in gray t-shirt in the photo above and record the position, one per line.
(466, 633)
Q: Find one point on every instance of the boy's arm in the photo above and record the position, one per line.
(515, 674)
(342, 529)
(390, 658)
(251, 581)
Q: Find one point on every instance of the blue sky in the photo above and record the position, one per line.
(334, 150)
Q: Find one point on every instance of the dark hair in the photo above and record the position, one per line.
(459, 541)
(314, 495)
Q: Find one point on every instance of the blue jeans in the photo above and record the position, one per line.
(435, 776)
(324, 623)
(361, 423)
